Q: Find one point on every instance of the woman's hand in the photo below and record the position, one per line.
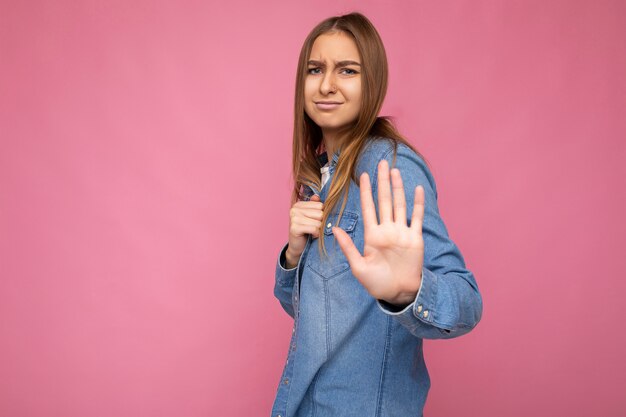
(305, 218)
(393, 253)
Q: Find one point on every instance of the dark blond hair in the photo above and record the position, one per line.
(307, 135)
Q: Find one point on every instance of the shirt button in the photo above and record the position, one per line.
(286, 381)
(419, 309)
(425, 313)
(328, 225)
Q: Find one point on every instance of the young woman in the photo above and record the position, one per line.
(360, 320)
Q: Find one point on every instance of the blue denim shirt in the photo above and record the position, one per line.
(353, 355)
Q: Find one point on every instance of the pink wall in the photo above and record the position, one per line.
(144, 195)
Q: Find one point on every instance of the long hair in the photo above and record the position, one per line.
(307, 135)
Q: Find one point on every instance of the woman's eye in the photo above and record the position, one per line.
(350, 71)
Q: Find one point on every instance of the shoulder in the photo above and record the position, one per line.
(379, 148)
(373, 151)
(412, 166)
(376, 147)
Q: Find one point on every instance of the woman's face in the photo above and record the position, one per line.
(333, 76)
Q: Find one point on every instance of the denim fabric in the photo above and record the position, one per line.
(353, 355)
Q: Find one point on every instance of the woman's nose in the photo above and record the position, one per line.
(328, 84)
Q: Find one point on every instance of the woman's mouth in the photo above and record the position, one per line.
(327, 106)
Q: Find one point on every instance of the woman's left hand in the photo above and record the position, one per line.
(393, 252)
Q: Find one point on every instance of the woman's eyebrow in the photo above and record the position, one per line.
(337, 63)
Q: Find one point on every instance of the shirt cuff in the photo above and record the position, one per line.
(284, 275)
(422, 308)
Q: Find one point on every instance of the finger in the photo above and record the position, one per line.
(367, 202)
(315, 201)
(348, 248)
(306, 222)
(301, 230)
(309, 204)
(312, 213)
(399, 201)
(306, 212)
(418, 210)
(384, 193)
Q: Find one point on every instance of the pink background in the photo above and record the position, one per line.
(144, 196)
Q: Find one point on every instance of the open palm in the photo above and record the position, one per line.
(393, 252)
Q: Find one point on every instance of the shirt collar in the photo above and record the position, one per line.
(323, 158)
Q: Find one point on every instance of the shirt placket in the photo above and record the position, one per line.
(285, 382)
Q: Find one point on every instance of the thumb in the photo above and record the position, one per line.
(315, 198)
(349, 249)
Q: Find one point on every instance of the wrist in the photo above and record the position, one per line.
(406, 296)
(402, 300)
(291, 260)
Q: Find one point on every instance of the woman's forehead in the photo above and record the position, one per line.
(334, 47)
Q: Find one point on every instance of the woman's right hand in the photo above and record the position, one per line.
(305, 218)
